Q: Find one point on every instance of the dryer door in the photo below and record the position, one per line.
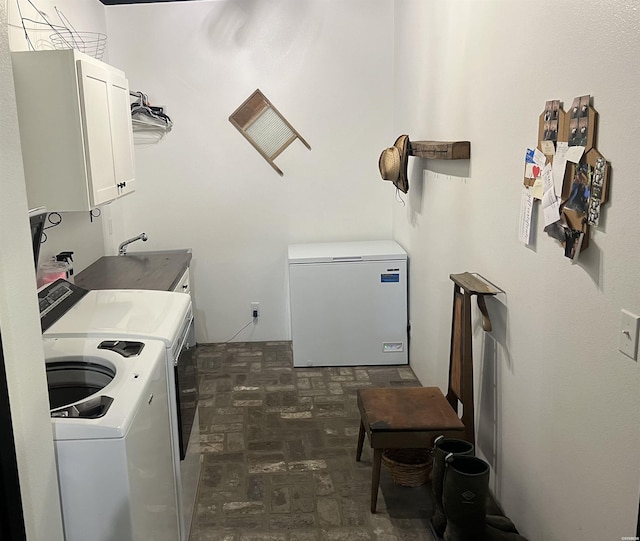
(186, 375)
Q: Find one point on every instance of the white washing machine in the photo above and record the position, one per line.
(68, 311)
(112, 436)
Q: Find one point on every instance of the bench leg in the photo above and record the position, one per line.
(360, 442)
(375, 478)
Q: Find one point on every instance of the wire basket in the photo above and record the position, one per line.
(408, 467)
(91, 43)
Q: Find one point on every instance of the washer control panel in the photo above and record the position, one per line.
(56, 299)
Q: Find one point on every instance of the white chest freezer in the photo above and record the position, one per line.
(348, 303)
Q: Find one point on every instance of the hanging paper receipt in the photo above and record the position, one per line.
(550, 204)
(526, 212)
(560, 165)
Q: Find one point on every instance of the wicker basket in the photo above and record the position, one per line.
(408, 467)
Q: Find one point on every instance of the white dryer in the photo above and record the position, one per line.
(112, 438)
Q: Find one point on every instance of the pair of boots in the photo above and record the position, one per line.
(461, 489)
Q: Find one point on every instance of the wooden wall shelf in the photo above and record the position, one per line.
(440, 150)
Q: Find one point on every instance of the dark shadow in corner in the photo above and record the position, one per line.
(402, 503)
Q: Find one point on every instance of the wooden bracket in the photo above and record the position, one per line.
(440, 150)
(474, 284)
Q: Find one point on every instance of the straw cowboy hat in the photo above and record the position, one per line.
(393, 163)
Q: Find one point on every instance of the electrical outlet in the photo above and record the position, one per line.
(255, 310)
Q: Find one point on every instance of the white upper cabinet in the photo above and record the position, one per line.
(75, 129)
(121, 124)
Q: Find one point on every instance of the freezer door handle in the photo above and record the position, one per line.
(347, 258)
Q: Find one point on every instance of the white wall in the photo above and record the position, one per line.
(205, 187)
(21, 338)
(558, 405)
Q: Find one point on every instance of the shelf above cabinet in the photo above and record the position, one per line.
(440, 150)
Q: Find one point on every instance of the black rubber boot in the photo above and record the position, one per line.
(441, 448)
(495, 534)
(501, 523)
(464, 497)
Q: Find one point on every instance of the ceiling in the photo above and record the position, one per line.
(117, 2)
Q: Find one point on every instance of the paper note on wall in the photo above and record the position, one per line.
(537, 190)
(548, 148)
(534, 161)
(574, 154)
(526, 212)
(560, 165)
(539, 158)
(528, 157)
(550, 204)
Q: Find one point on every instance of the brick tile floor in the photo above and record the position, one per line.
(279, 452)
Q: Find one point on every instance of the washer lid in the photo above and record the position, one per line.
(128, 389)
(125, 314)
(336, 252)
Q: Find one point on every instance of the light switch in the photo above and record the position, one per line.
(628, 343)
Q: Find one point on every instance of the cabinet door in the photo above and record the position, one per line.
(96, 119)
(184, 284)
(122, 134)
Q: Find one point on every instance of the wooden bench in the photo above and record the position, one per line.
(402, 418)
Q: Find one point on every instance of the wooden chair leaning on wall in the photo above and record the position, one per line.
(411, 417)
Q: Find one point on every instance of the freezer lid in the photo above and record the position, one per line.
(333, 252)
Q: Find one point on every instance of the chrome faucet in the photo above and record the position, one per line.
(122, 249)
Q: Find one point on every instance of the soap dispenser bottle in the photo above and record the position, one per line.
(51, 270)
(67, 257)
